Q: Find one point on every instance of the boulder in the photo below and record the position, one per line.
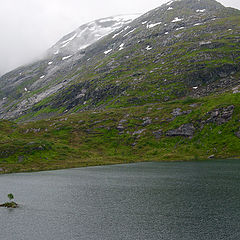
(186, 130)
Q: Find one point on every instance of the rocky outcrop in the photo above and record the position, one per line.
(238, 133)
(186, 130)
(158, 133)
(219, 116)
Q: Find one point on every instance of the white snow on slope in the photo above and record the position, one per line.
(67, 57)
(108, 51)
(70, 39)
(200, 10)
(91, 32)
(180, 28)
(197, 24)
(129, 32)
(121, 47)
(176, 19)
(153, 25)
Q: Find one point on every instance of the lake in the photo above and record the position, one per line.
(143, 201)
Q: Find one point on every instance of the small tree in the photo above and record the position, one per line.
(10, 196)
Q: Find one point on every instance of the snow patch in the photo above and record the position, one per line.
(169, 3)
(177, 29)
(115, 35)
(166, 33)
(83, 47)
(153, 25)
(105, 20)
(50, 63)
(170, 8)
(176, 19)
(25, 89)
(121, 47)
(144, 22)
(148, 48)
(129, 32)
(108, 51)
(57, 52)
(64, 45)
(195, 87)
(200, 10)
(67, 57)
(70, 39)
(197, 24)
(42, 76)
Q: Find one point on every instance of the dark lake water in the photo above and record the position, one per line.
(183, 200)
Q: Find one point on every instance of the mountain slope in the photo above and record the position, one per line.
(89, 33)
(183, 48)
(163, 87)
(27, 85)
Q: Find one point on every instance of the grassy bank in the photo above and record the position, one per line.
(124, 135)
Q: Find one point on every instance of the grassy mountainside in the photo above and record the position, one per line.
(184, 129)
(164, 87)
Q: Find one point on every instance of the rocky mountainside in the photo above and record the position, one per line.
(187, 48)
(30, 84)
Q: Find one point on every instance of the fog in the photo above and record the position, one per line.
(30, 27)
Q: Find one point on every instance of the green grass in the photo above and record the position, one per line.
(91, 138)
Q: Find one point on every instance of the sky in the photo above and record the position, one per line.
(29, 27)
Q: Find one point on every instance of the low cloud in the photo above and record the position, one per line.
(29, 28)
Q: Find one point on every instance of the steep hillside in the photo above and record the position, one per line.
(22, 88)
(183, 48)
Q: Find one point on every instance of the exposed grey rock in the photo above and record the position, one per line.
(147, 121)
(20, 159)
(238, 134)
(158, 133)
(236, 89)
(123, 121)
(186, 130)
(193, 105)
(138, 132)
(219, 115)
(120, 127)
(177, 112)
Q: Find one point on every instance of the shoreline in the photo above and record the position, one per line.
(112, 164)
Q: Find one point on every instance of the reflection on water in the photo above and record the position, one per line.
(184, 200)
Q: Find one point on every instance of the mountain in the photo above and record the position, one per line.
(165, 86)
(27, 85)
(183, 48)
